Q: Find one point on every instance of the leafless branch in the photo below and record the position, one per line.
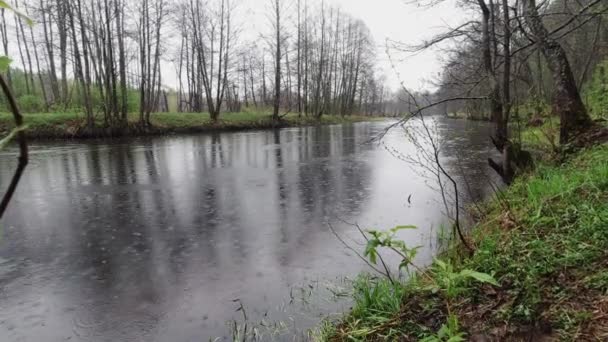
(23, 149)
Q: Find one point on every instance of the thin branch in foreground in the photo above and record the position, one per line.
(23, 149)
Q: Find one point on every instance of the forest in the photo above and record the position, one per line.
(110, 60)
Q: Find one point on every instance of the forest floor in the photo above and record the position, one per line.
(71, 125)
(539, 271)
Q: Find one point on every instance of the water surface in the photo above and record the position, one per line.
(162, 239)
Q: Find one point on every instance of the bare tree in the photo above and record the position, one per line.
(211, 52)
(150, 25)
(567, 103)
(276, 6)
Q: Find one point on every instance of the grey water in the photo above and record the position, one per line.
(170, 238)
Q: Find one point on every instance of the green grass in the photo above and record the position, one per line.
(544, 240)
(595, 92)
(69, 124)
(546, 243)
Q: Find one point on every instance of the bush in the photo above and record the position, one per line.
(133, 101)
(30, 104)
(596, 92)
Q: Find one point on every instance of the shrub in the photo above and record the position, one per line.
(30, 104)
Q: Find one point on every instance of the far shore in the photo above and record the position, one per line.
(71, 126)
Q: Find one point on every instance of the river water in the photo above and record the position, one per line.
(165, 238)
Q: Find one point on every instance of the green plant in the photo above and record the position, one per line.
(443, 278)
(449, 332)
(30, 103)
(595, 92)
(551, 265)
(387, 239)
(453, 283)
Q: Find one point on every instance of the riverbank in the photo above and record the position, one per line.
(465, 116)
(71, 125)
(539, 272)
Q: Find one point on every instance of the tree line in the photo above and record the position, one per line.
(109, 58)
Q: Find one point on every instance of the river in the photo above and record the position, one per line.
(165, 238)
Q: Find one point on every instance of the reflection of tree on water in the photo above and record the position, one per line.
(465, 149)
(316, 183)
(282, 200)
(334, 183)
(140, 220)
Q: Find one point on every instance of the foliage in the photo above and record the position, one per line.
(379, 303)
(376, 300)
(30, 103)
(453, 283)
(5, 62)
(596, 92)
(449, 332)
(544, 240)
(388, 240)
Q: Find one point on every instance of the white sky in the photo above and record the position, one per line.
(409, 24)
(398, 20)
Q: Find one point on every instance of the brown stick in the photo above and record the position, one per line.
(23, 151)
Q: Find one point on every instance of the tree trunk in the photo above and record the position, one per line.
(62, 29)
(500, 129)
(82, 75)
(122, 63)
(299, 61)
(567, 103)
(277, 72)
(48, 39)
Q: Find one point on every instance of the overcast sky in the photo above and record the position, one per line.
(399, 20)
(410, 24)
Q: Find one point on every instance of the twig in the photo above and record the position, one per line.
(331, 228)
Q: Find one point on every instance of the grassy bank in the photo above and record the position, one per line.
(71, 125)
(539, 272)
(466, 116)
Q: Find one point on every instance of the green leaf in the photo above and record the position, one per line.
(27, 20)
(442, 265)
(5, 62)
(3, 4)
(430, 339)
(481, 277)
(370, 250)
(11, 135)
